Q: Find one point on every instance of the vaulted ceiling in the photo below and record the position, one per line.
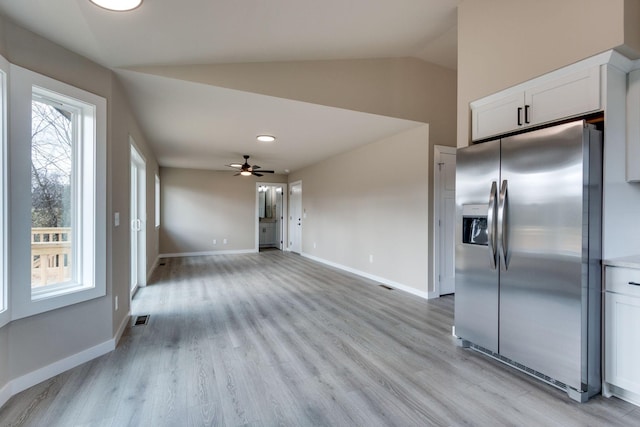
(198, 125)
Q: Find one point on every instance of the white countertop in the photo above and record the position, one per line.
(627, 261)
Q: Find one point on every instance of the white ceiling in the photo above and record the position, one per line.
(192, 125)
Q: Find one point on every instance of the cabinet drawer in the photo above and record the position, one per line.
(618, 279)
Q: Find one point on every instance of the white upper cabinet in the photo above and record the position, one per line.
(497, 117)
(570, 96)
(544, 100)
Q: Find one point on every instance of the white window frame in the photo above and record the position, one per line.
(91, 281)
(157, 201)
(5, 313)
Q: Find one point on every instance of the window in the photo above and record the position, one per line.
(157, 201)
(61, 229)
(55, 217)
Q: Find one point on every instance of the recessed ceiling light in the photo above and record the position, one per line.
(117, 5)
(266, 138)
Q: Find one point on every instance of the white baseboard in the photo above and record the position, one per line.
(5, 394)
(153, 268)
(395, 285)
(205, 253)
(122, 328)
(39, 375)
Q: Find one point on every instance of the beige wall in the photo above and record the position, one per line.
(123, 124)
(35, 342)
(505, 42)
(405, 88)
(200, 205)
(379, 207)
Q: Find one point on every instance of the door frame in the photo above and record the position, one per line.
(438, 150)
(284, 226)
(292, 223)
(137, 158)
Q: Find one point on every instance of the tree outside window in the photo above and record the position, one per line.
(53, 132)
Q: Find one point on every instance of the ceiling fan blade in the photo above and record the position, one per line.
(234, 165)
(256, 167)
(266, 171)
(256, 174)
(236, 174)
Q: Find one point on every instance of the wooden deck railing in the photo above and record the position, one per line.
(50, 255)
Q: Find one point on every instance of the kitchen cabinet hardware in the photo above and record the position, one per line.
(519, 116)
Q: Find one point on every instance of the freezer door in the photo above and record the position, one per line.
(541, 217)
(476, 308)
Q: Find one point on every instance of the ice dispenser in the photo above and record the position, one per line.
(474, 224)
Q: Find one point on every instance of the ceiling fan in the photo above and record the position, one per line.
(246, 169)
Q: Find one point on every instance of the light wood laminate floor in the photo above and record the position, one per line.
(275, 339)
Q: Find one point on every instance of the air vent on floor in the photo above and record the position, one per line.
(389, 288)
(162, 264)
(141, 320)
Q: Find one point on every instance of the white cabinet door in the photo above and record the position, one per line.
(546, 101)
(569, 96)
(500, 116)
(622, 341)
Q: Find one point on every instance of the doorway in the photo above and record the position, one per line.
(138, 215)
(444, 206)
(271, 211)
(295, 217)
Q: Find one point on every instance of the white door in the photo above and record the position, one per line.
(445, 209)
(295, 217)
(138, 221)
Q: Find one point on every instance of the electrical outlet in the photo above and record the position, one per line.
(116, 303)
(314, 245)
(371, 259)
(215, 242)
(224, 241)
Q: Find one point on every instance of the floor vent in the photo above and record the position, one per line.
(389, 288)
(162, 264)
(141, 320)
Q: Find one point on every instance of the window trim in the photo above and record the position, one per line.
(157, 200)
(5, 312)
(22, 301)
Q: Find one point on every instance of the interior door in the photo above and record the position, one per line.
(445, 219)
(295, 218)
(138, 221)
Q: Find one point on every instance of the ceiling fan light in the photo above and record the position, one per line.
(236, 165)
(245, 173)
(266, 138)
(117, 5)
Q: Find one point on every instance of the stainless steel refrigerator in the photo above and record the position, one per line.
(528, 248)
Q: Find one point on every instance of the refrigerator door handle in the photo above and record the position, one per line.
(502, 224)
(491, 221)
